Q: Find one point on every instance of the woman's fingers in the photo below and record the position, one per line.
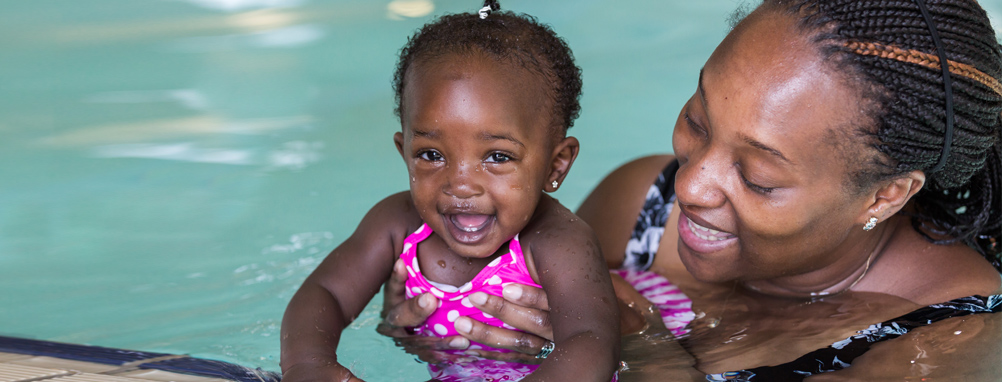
(516, 357)
(410, 313)
(400, 312)
(532, 318)
(432, 343)
(526, 296)
(393, 291)
(522, 342)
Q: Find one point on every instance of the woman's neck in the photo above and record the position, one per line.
(841, 276)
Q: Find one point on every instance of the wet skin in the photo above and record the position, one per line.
(480, 149)
(758, 165)
(476, 173)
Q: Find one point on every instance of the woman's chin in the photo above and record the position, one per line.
(704, 269)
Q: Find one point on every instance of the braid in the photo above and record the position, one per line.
(506, 37)
(888, 47)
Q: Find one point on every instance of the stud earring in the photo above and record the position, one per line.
(870, 224)
(555, 184)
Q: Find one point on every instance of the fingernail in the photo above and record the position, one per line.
(479, 298)
(425, 301)
(512, 292)
(399, 266)
(459, 343)
(463, 325)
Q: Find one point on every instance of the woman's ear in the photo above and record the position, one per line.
(560, 163)
(892, 196)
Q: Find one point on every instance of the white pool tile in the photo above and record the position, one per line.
(17, 373)
(65, 364)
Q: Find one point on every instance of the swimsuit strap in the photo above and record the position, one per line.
(646, 236)
(841, 354)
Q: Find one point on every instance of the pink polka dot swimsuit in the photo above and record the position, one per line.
(454, 302)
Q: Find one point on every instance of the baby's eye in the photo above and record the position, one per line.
(498, 157)
(430, 155)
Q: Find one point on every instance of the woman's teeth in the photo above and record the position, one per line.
(706, 233)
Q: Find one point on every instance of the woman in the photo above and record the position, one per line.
(834, 188)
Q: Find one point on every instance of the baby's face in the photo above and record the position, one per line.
(478, 148)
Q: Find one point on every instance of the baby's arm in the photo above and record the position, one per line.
(583, 306)
(337, 291)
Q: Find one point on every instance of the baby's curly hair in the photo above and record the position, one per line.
(506, 37)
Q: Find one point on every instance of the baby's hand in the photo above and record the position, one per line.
(319, 372)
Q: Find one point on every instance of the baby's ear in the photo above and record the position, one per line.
(563, 157)
(398, 139)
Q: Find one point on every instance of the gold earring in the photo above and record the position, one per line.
(870, 224)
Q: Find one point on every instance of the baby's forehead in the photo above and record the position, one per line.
(481, 82)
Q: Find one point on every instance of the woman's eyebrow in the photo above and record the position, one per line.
(764, 147)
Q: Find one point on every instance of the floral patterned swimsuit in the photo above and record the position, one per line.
(644, 243)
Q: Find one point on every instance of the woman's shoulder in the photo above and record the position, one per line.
(612, 207)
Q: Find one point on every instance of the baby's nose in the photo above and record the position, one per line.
(464, 181)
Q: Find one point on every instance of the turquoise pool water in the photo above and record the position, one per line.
(172, 169)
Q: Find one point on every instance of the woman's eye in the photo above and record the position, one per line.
(756, 188)
(498, 158)
(692, 125)
(430, 156)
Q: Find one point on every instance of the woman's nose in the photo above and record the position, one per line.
(699, 181)
(463, 180)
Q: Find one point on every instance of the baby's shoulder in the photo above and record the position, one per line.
(395, 215)
(555, 229)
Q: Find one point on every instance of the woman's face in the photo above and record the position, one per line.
(762, 182)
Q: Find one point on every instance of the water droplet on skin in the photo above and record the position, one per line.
(441, 263)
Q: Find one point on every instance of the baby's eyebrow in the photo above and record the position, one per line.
(426, 134)
(507, 137)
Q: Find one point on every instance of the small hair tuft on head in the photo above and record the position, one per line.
(489, 6)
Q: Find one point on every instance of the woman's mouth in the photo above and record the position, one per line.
(703, 239)
(707, 233)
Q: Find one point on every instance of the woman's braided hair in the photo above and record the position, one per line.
(506, 37)
(887, 47)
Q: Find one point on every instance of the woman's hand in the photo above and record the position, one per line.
(522, 307)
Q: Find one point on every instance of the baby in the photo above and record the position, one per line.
(485, 100)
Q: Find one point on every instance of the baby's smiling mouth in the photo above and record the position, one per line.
(470, 222)
(469, 228)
